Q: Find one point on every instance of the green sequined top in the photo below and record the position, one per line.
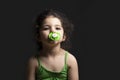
(44, 74)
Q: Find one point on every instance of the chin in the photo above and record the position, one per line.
(54, 43)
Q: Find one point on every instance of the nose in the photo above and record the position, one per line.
(52, 29)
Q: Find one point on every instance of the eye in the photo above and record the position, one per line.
(45, 27)
(57, 28)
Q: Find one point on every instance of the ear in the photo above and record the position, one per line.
(64, 38)
(37, 26)
(38, 38)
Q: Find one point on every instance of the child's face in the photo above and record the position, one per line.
(51, 24)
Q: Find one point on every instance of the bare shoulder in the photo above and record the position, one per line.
(73, 73)
(31, 68)
(32, 62)
(71, 60)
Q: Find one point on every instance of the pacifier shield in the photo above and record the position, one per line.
(54, 36)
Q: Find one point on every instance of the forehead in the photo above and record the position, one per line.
(52, 20)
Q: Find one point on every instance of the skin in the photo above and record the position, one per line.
(52, 53)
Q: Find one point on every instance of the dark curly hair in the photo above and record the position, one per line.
(66, 24)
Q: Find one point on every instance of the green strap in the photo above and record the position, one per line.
(38, 61)
(66, 54)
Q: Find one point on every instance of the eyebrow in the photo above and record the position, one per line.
(57, 25)
(49, 25)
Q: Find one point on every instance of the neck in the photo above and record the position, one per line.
(51, 51)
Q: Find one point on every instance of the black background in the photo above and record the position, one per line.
(90, 43)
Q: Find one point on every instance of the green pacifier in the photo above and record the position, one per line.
(54, 36)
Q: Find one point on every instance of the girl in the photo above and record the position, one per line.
(53, 61)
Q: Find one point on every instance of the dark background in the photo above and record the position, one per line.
(91, 39)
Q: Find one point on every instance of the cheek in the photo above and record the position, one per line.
(44, 34)
(62, 34)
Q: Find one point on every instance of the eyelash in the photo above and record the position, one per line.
(45, 28)
(58, 28)
(48, 28)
